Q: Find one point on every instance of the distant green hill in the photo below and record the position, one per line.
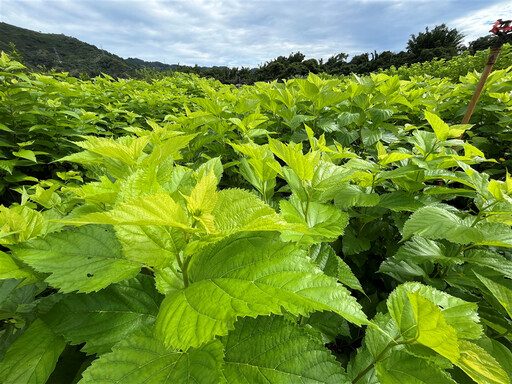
(67, 54)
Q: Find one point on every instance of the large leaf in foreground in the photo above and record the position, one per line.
(273, 350)
(85, 259)
(141, 358)
(32, 358)
(103, 318)
(248, 275)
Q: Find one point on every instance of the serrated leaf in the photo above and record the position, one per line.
(422, 321)
(204, 196)
(11, 269)
(103, 191)
(248, 275)
(168, 279)
(273, 350)
(501, 353)
(421, 250)
(346, 118)
(401, 367)
(126, 152)
(8, 165)
(302, 165)
(500, 292)
(327, 325)
(32, 357)
(440, 128)
(354, 196)
(479, 365)
(202, 200)
(399, 201)
(327, 179)
(150, 245)
(159, 209)
(326, 220)
(142, 358)
(20, 223)
(395, 156)
(432, 330)
(332, 265)
(436, 223)
(238, 210)
(458, 313)
(103, 318)
(86, 259)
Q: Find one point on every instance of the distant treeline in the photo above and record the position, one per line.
(66, 54)
(440, 42)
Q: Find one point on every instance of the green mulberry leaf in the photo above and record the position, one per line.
(401, 367)
(273, 350)
(436, 223)
(151, 245)
(420, 320)
(159, 209)
(238, 210)
(32, 358)
(355, 196)
(441, 129)
(332, 265)
(103, 318)
(302, 165)
(248, 275)
(420, 250)
(500, 292)
(11, 269)
(142, 358)
(500, 352)
(432, 330)
(479, 365)
(460, 314)
(85, 259)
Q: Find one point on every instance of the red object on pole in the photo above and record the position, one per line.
(501, 27)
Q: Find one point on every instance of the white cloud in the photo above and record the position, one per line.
(479, 23)
(245, 32)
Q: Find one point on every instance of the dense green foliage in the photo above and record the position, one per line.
(316, 230)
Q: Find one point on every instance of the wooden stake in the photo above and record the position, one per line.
(493, 56)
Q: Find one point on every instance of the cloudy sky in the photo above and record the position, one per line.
(249, 32)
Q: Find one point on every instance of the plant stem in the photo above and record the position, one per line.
(184, 270)
(307, 210)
